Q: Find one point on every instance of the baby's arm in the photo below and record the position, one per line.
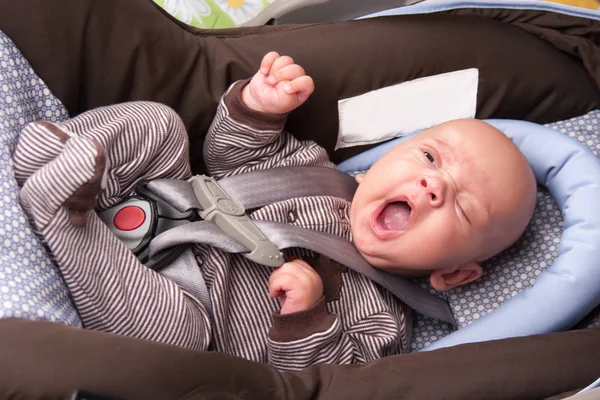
(247, 132)
(375, 336)
(304, 332)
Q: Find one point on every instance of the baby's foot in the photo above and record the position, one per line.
(39, 143)
(73, 179)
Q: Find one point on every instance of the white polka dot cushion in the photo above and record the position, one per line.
(30, 284)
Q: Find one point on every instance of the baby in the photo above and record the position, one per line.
(436, 205)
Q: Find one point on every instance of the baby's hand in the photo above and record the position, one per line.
(297, 285)
(278, 87)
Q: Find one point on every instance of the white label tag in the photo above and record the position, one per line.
(407, 107)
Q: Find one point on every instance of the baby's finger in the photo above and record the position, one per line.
(267, 62)
(279, 63)
(276, 291)
(287, 73)
(281, 283)
(303, 86)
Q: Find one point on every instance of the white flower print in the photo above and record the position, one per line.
(185, 10)
(240, 10)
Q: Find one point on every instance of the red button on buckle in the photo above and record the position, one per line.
(129, 218)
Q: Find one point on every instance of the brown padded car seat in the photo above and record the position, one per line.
(42, 360)
(533, 65)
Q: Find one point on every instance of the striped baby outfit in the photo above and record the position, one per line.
(95, 160)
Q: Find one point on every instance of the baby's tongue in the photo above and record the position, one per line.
(394, 217)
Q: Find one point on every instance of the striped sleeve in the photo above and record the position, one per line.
(367, 340)
(243, 140)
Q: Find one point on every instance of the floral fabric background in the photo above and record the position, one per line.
(213, 14)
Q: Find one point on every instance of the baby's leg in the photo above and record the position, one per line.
(112, 290)
(142, 140)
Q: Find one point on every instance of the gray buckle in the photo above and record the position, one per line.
(231, 217)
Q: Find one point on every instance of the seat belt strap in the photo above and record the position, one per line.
(287, 236)
(230, 229)
(260, 188)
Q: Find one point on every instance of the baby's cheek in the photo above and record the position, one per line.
(441, 242)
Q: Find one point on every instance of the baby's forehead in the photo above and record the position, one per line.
(470, 140)
(459, 129)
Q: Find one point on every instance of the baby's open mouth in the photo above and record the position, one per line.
(395, 216)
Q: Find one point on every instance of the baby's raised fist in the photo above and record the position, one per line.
(278, 87)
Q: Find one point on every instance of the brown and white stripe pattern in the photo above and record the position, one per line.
(115, 293)
(371, 322)
(235, 144)
(112, 290)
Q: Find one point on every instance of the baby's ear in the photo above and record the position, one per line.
(359, 178)
(447, 279)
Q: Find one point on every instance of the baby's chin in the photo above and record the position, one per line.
(372, 251)
(377, 261)
(384, 263)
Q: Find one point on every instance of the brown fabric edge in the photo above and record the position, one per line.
(331, 275)
(574, 35)
(47, 360)
(302, 324)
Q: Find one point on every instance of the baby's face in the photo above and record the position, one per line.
(455, 194)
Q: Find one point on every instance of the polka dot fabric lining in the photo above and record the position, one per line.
(518, 267)
(30, 284)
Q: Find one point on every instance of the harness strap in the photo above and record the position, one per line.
(260, 188)
(226, 226)
(286, 236)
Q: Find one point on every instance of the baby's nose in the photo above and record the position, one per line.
(435, 190)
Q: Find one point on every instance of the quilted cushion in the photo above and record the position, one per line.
(30, 284)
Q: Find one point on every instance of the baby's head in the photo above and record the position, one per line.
(442, 202)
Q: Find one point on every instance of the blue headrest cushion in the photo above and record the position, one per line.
(567, 290)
